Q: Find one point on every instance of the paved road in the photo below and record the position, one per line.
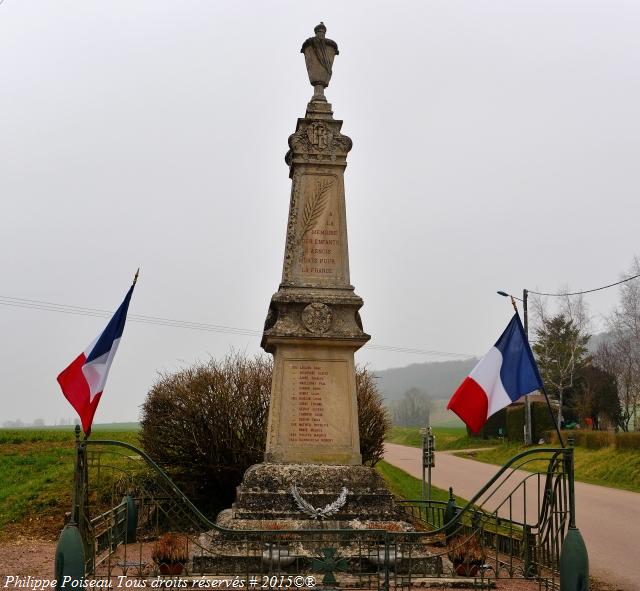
(609, 519)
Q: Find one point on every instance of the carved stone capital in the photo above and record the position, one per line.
(318, 140)
(302, 314)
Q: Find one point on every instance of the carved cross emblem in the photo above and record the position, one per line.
(329, 563)
(319, 135)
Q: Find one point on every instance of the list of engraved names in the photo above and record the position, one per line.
(309, 420)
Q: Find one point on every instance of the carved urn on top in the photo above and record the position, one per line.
(318, 56)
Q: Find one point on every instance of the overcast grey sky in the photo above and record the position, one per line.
(495, 147)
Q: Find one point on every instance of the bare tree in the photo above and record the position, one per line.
(621, 354)
(413, 410)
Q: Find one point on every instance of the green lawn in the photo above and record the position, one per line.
(405, 486)
(607, 466)
(446, 438)
(36, 472)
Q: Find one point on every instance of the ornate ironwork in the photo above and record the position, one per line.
(123, 502)
(330, 562)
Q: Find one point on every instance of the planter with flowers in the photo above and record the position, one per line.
(170, 554)
(467, 554)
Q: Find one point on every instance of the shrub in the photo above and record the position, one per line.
(207, 424)
(627, 440)
(515, 422)
(491, 429)
(584, 438)
(597, 439)
(541, 420)
(373, 419)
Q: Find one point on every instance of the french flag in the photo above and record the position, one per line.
(83, 381)
(502, 376)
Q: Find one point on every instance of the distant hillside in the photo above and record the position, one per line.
(439, 379)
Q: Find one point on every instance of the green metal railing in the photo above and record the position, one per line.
(517, 521)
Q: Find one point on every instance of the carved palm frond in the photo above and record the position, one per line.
(315, 205)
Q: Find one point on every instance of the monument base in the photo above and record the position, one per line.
(276, 491)
(290, 498)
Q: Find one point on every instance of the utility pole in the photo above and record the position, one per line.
(528, 435)
(428, 459)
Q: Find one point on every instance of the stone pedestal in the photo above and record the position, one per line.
(266, 493)
(313, 326)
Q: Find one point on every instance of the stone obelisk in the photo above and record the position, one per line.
(312, 457)
(313, 327)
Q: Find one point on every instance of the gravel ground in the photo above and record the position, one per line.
(24, 557)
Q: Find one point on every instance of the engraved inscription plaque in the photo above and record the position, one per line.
(317, 399)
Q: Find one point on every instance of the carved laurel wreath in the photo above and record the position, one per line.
(315, 205)
(316, 512)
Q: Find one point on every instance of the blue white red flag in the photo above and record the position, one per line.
(502, 376)
(83, 381)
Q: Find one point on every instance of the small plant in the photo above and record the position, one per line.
(170, 550)
(467, 554)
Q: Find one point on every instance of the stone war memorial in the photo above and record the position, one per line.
(311, 513)
(313, 328)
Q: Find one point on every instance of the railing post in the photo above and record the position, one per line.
(386, 562)
(70, 550)
(451, 511)
(574, 560)
(529, 542)
(132, 519)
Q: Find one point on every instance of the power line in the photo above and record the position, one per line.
(586, 290)
(96, 312)
(185, 324)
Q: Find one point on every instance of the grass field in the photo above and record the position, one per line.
(446, 438)
(36, 471)
(405, 486)
(607, 466)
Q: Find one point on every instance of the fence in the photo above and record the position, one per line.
(513, 527)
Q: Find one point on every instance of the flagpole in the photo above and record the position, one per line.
(135, 280)
(553, 418)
